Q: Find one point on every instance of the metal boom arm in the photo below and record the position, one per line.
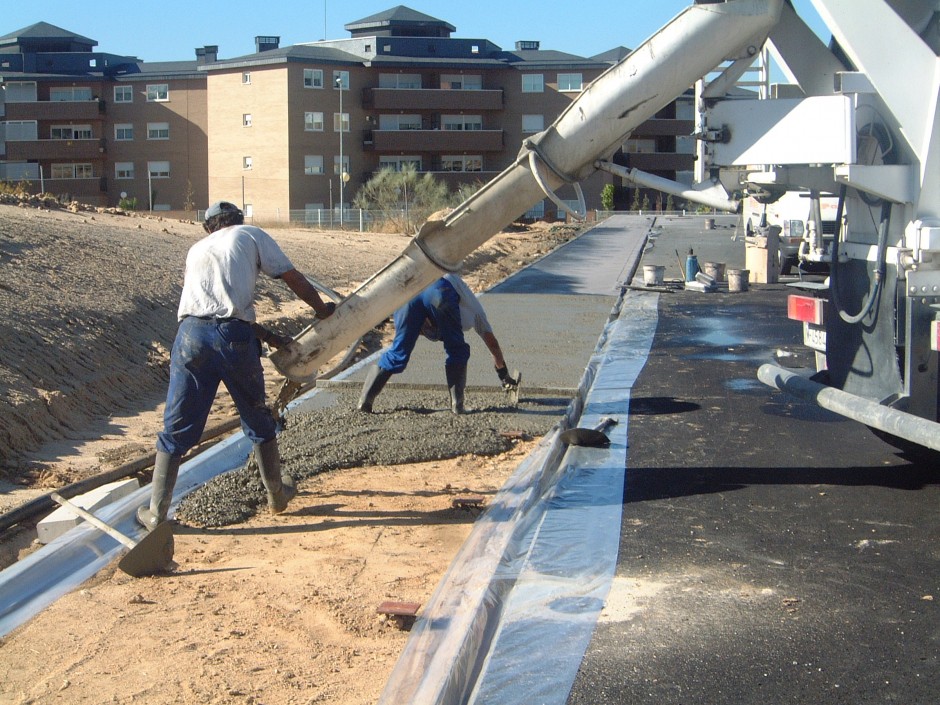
(591, 128)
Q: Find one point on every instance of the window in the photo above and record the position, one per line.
(533, 83)
(533, 123)
(313, 164)
(343, 77)
(249, 210)
(313, 122)
(345, 164)
(246, 78)
(473, 82)
(158, 170)
(246, 119)
(158, 92)
(461, 122)
(158, 130)
(399, 122)
(569, 82)
(536, 211)
(124, 132)
(340, 122)
(640, 146)
(123, 94)
(246, 162)
(400, 80)
(72, 171)
(123, 170)
(71, 94)
(396, 163)
(71, 132)
(21, 92)
(313, 78)
(462, 163)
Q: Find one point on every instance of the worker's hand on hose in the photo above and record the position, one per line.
(506, 378)
(276, 340)
(330, 306)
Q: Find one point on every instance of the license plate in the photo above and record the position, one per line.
(814, 336)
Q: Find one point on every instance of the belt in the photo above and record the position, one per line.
(218, 319)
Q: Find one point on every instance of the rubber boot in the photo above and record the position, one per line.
(280, 487)
(374, 384)
(165, 470)
(456, 383)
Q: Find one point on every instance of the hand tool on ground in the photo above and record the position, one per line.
(512, 390)
(152, 554)
(593, 437)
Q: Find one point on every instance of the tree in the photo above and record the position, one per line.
(635, 205)
(404, 197)
(607, 197)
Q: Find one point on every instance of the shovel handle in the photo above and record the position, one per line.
(93, 520)
(604, 423)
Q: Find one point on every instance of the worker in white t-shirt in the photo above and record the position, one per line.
(217, 342)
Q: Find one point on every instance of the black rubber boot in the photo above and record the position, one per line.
(280, 487)
(374, 384)
(165, 470)
(456, 383)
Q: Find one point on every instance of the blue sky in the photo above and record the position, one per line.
(170, 30)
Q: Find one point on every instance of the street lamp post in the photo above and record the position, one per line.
(342, 172)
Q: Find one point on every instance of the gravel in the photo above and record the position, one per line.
(408, 426)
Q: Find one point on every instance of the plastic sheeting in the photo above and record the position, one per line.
(516, 610)
(35, 582)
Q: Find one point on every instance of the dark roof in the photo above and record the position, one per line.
(396, 16)
(297, 52)
(44, 30)
(612, 56)
(546, 58)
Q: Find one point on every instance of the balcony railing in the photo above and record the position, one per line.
(56, 110)
(59, 150)
(413, 141)
(431, 99)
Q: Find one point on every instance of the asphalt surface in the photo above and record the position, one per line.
(771, 552)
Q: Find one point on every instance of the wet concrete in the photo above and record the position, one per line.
(408, 426)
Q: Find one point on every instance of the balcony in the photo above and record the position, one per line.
(56, 110)
(57, 150)
(415, 141)
(431, 99)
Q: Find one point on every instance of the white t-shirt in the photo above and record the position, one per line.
(222, 271)
(472, 314)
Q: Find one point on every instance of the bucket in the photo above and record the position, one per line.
(737, 279)
(653, 274)
(716, 270)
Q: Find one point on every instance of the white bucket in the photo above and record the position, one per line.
(738, 279)
(716, 270)
(653, 274)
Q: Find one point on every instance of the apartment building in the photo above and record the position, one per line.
(97, 126)
(293, 132)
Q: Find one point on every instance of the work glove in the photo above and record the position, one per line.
(330, 307)
(506, 378)
(269, 337)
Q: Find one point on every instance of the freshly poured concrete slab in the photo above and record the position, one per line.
(547, 317)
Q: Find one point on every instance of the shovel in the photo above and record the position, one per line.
(152, 554)
(593, 437)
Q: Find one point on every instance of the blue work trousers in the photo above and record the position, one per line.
(205, 353)
(440, 304)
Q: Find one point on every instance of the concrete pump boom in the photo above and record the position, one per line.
(592, 127)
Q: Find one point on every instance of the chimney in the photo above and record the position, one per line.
(527, 46)
(266, 43)
(207, 54)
